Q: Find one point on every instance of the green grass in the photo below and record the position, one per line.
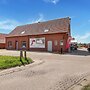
(12, 61)
(87, 87)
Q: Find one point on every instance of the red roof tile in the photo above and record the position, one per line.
(48, 27)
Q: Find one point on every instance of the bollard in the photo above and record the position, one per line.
(61, 51)
(21, 55)
(25, 55)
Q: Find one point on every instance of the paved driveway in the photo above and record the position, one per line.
(58, 72)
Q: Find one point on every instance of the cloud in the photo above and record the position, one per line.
(87, 35)
(38, 19)
(52, 1)
(8, 24)
(83, 38)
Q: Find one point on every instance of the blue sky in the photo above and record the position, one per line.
(19, 12)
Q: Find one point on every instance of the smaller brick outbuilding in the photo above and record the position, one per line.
(42, 36)
(2, 41)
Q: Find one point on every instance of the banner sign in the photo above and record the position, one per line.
(37, 42)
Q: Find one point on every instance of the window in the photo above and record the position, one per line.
(46, 30)
(61, 42)
(22, 32)
(9, 44)
(55, 43)
(23, 44)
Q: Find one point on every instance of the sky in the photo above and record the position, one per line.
(19, 12)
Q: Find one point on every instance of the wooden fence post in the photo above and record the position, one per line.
(21, 55)
(25, 55)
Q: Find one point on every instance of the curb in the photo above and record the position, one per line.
(21, 68)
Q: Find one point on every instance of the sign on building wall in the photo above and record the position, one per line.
(37, 42)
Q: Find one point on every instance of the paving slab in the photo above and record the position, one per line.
(58, 72)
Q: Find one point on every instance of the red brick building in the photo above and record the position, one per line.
(42, 36)
(2, 40)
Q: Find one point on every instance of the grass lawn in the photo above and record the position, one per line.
(12, 61)
(87, 87)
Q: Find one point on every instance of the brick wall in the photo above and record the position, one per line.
(50, 37)
(2, 45)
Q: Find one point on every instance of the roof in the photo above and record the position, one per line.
(48, 27)
(2, 37)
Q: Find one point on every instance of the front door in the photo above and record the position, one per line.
(16, 44)
(49, 46)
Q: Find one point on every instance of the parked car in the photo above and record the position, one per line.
(75, 46)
